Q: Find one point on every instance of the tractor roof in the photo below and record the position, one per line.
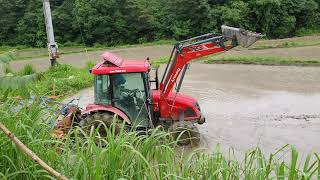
(113, 64)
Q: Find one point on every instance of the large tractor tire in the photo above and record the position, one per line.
(103, 120)
(185, 133)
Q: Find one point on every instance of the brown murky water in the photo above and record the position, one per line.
(249, 105)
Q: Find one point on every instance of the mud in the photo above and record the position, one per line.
(249, 105)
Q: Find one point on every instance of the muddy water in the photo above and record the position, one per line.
(249, 105)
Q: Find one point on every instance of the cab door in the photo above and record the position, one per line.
(129, 95)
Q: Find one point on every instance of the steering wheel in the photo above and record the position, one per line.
(133, 93)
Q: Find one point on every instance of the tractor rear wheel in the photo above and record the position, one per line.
(102, 120)
(185, 132)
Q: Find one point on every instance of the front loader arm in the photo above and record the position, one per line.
(185, 51)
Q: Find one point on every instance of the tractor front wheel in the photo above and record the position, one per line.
(185, 133)
(104, 121)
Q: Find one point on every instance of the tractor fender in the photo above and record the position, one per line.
(94, 107)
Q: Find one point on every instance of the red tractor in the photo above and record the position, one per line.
(124, 87)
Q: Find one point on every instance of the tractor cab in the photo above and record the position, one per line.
(124, 85)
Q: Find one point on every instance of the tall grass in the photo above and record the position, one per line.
(129, 156)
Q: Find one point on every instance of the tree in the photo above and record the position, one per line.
(189, 18)
(112, 22)
(10, 13)
(30, 28)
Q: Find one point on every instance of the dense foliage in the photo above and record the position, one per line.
(110, 22)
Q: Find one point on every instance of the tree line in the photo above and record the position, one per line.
(112, 22)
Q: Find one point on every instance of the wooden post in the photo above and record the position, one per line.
(31, 154)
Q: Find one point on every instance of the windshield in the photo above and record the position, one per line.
(129, 96)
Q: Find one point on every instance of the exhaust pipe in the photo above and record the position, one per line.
(244, 38)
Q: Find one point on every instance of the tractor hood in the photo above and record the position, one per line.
(180, 102)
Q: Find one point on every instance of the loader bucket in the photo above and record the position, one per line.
(244, 38)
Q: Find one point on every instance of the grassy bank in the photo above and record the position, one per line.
(158, 62)
(65, 79)
(287, 43)
(128, 156)
(261, 60)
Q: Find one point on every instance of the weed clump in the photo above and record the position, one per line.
(27, 70)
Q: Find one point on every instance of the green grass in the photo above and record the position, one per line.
(66, 78)
(261, 60)
(158, 62)
(129, 156)
(25, 53)
(308, 31)
(287, 43)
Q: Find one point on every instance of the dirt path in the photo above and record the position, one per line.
(80, 59)
(154, 52)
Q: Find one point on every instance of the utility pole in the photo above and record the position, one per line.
(52, 45)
